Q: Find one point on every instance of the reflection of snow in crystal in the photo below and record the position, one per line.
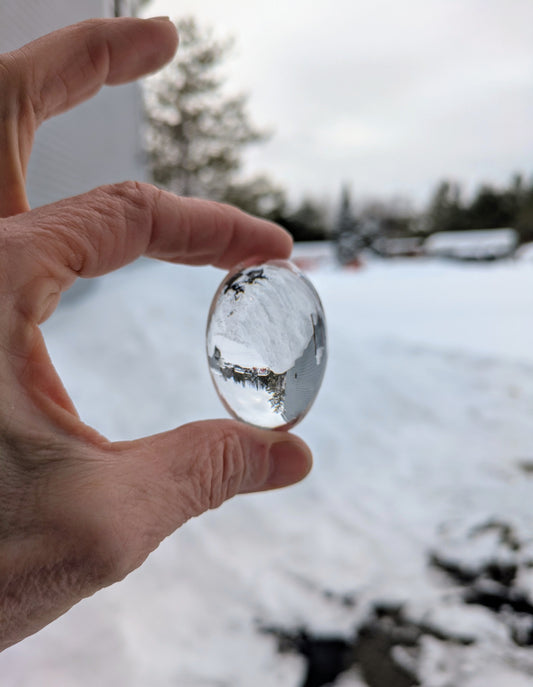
(266, 333)
(269, 324)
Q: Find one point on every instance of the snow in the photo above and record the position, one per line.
(419, 434)
(271, 306)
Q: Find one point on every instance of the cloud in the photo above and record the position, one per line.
(390, 95)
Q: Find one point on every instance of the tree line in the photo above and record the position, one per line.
(489, 208)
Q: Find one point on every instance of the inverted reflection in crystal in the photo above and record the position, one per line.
(266, 344)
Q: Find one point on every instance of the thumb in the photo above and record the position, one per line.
(200, 465)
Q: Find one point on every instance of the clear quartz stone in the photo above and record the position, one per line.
(266, 343)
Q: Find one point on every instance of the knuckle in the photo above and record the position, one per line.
(131, 198)
(97, 47)
(22, 99)
(130, 190)
(5, 76)
(8, 70)
(228, 466)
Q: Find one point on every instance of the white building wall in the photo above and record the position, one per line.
(99, 141)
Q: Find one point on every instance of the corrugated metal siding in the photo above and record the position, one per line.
(99, 141)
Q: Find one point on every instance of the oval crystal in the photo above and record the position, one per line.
(266, 344)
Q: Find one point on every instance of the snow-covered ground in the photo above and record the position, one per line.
(423, 442)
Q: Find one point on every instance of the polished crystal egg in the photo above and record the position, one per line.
(266, 343)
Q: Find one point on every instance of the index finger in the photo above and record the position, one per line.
(107, 228)
(60, 70)
(65, 67)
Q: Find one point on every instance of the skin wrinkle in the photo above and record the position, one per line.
(61, 242)
(5, 272)
(14, 490)
(189, 481)
(137, 210)
(119, 205)
(50, 582)
(99, 54)
(28, 465)
(155, 246)
(34, 298)
(54, 95)
(221, 259)
(149, 504)
(126, 39)
(10, 86)
(18, 115)
(40, 299)
(229, 471)
(12, 172)
(36, 92)
(81, 248)
(5, 74)
(186, 232)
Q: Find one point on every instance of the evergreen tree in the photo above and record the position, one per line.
(346, 222)
(524, 215)
(492, 209)
(258, 196)
(308, 222)
(350, 241)
(446, 211)
(196, 132)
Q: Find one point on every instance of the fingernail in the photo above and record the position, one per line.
(159, 19)
(290, 461)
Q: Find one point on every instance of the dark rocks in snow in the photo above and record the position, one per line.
(326, 657)
(493, 583)
(506, 535)
(384, 649)
(497, 597)
(376, 645)
(461, 574)
(502, 572)
(526, 466)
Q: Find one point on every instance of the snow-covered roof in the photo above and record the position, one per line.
(475, 243)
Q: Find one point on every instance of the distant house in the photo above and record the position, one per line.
(96, 143)
(482, 244)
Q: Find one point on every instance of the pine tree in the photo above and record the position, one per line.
(346, 222)
(446, 211)
(349, 239)
(196, 132)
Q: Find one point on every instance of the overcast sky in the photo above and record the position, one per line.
(388, 96)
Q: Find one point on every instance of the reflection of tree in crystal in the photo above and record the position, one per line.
(277, 398)
(236, 284)
(257, 377)
(253, 275)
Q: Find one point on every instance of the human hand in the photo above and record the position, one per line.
(78, 512)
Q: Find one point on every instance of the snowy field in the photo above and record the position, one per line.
(406, 557)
